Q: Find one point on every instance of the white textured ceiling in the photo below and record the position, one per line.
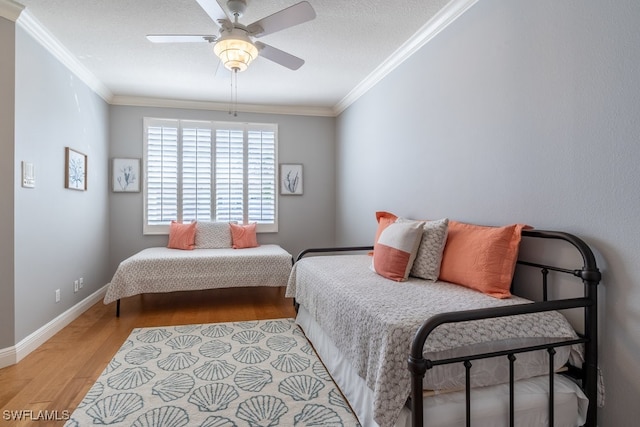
(341, 47)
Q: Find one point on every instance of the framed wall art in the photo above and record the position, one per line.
(75, 172)
(126, 175)
(291, 179)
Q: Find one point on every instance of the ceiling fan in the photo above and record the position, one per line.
(234, 45)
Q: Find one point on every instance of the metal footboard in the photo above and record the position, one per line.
(587, 375)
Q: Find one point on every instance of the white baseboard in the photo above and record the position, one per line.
(12, 355)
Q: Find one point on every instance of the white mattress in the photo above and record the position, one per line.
(489, 407)
(162, 269)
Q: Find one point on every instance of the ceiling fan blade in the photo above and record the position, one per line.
(279, 56)
(213, 9)
(293, 15)
(181, 38)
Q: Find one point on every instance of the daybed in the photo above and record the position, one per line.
(401, 350)
(213, 263)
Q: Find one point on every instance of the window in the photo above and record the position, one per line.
(209, 171)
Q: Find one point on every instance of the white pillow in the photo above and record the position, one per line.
(213, 235)
(429, 257)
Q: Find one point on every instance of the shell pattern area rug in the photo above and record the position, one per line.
(237, 374)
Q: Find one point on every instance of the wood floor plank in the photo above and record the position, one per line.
(55, 377)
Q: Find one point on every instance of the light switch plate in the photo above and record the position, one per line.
(28, 175)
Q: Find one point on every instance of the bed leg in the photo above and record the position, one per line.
(417, 367)
(552, 352)
(118, 308)
(512, 399)
(467, 391)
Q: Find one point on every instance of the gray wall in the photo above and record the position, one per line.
(304, 221)
(7, 100)
(520, 111)
(60, 234)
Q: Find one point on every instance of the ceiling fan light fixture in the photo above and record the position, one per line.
(235, 50)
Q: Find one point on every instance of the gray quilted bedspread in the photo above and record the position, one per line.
(372, 321)
(167, 270)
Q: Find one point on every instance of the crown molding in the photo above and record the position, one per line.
(428, 31)
(139, 101)
(452, 11)
(35, 29)
(10, 10)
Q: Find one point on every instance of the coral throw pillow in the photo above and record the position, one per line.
(481, 258)
(396, 248)
(244, 236)
(182, 236)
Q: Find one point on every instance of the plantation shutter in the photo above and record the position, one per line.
(161, 181)
(196, 172)
(209, 171)
(261, 176)
(229, 163)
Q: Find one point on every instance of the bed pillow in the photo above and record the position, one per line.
(213, 235)
(243, 236)
(396, 248)
(384, 219)
(182, 236)
(481, 258)
(429, 256)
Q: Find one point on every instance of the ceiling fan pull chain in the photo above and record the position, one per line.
(235, 92)
(231, 95)
(233, 103)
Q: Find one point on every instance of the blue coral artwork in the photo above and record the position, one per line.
(126, 175)
(75, 175)
(291, 179)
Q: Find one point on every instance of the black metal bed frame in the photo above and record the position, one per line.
(587, 375)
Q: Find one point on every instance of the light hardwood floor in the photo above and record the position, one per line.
(57, 375)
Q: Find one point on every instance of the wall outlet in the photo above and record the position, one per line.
(76, 285)
(81, 282)
(57, 295)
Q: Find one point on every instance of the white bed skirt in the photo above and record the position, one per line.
(489, 405)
